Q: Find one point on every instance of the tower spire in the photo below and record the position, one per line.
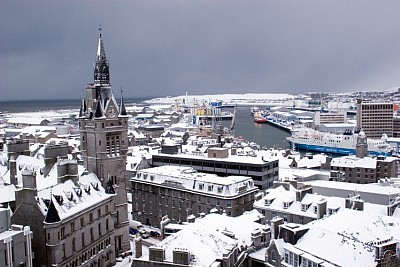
(101, 68)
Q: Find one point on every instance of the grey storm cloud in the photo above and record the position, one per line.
(160, 48)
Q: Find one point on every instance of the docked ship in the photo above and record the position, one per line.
(345, 143)
(259, 118)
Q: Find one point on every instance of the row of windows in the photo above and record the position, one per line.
(91, 252)
(63, 232)
(212, 164)
(360, 170)
(380, 107)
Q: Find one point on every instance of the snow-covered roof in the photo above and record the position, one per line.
(249, 158)
(276, 198)
(75, 197)
(347, 241)
(369, 188)
(354, 162)
(206, 241)
(190, 179)
(7, 192)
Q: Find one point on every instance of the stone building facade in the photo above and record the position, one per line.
(71, 214)
(103, 125)
(15, 242)
(181, 191)
(363, 170)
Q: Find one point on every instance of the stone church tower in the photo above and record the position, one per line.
(103, 125)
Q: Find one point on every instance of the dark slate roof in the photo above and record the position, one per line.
(99, 110)
(122, 109)
(52, 214)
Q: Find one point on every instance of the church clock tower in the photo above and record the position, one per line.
(103, 125)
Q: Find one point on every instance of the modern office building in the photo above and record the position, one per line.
(181, 191)
(375, 119)
(396, 126)
(330, 117)
(224, 162)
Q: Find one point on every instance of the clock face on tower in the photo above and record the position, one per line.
(111, 112)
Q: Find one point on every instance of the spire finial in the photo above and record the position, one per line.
(100, 29)
(122, 92)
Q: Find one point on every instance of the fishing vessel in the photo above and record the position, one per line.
(345, 143)
(254, 110)
(259, 118)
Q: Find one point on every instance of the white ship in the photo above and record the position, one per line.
(312, 140)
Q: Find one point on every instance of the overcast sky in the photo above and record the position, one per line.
(160, 48)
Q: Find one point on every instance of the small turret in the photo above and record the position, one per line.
(52, 213)
(122, 109)
(82, 109)
(362, 145)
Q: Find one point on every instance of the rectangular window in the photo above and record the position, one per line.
(107, 225)
(72, 227)
(73, 244)
(62, 232)
(83, 239)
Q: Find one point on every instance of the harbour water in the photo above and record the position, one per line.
(263, 134)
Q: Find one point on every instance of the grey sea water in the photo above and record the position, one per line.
(263, 134)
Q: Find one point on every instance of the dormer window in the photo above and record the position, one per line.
(210, 188)
(286, 204)
(145, 176)
(201, 186)
(220, 189)
(304, 207)
(332, 211)
(268, 202)
(315, 209)
(139, 175)
(152, 177)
